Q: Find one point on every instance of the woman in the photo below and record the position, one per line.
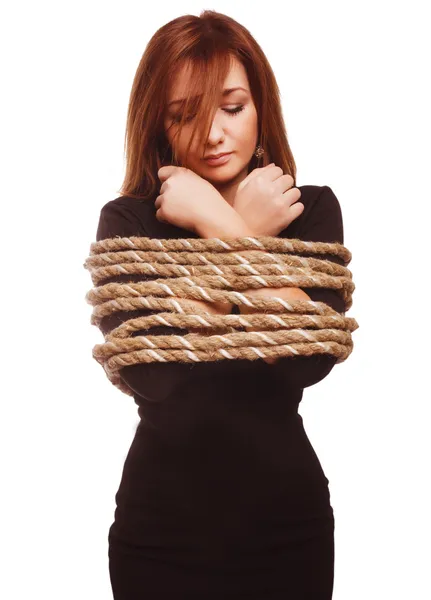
(222, 494)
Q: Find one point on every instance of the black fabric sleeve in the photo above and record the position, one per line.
(324, 223)
(153, 381)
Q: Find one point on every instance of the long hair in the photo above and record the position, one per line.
(207, 45)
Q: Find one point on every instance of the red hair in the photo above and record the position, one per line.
(207, 45)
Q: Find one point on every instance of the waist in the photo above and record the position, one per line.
(244, 456)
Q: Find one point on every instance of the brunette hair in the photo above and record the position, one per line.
(207, 44)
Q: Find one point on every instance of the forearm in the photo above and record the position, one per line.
(235, 226)
(238, 228)
(286, 293)
(232, 226)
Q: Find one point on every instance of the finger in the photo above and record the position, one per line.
(159, 216)
(158, 202)
(275, 173)
(164, 172)
(284, 183)
(292, 195)
(254, 173)
(296, 209)
(270, 361)
(162, 189)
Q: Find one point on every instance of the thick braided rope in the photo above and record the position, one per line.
(215, 270)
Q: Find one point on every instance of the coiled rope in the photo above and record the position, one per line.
(217, 270)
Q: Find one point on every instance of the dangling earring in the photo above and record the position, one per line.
(259, 151)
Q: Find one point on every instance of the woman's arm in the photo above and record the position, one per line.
(323, 224)
(153, 381)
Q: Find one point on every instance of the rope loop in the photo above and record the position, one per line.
(216, 270)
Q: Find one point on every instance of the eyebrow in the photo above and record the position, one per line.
(226, 92)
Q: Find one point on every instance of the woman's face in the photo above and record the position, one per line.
(234, 129)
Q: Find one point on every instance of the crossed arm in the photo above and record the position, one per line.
(157, 380)
(237, 228)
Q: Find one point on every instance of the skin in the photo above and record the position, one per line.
(235, 133)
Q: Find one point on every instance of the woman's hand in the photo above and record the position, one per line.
(268, 204)
(187, 200)
(190, 202)
(266, 200)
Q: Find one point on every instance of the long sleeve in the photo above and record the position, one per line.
(323, 223)
(153, 381)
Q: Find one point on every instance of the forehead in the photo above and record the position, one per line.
(237, 76)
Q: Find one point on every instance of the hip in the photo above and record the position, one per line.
(242, 491)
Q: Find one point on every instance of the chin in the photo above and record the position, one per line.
(221, 178)
(228, 171)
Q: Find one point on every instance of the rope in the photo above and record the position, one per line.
(217, 270)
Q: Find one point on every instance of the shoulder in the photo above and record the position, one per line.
(127, 207)
(125, 216)
(320, 204)
(318, 200)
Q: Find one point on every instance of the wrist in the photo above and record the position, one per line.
(230, 224)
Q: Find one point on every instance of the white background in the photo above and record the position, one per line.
(354, 79)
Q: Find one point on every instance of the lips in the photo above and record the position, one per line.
(217, 155)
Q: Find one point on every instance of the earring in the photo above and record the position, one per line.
(259, 151)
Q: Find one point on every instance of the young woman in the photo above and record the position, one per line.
(222, 494)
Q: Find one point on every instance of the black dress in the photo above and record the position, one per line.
(222, 494)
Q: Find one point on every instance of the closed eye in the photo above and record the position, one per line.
(231, 111)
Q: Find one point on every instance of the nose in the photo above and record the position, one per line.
(216, 133)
